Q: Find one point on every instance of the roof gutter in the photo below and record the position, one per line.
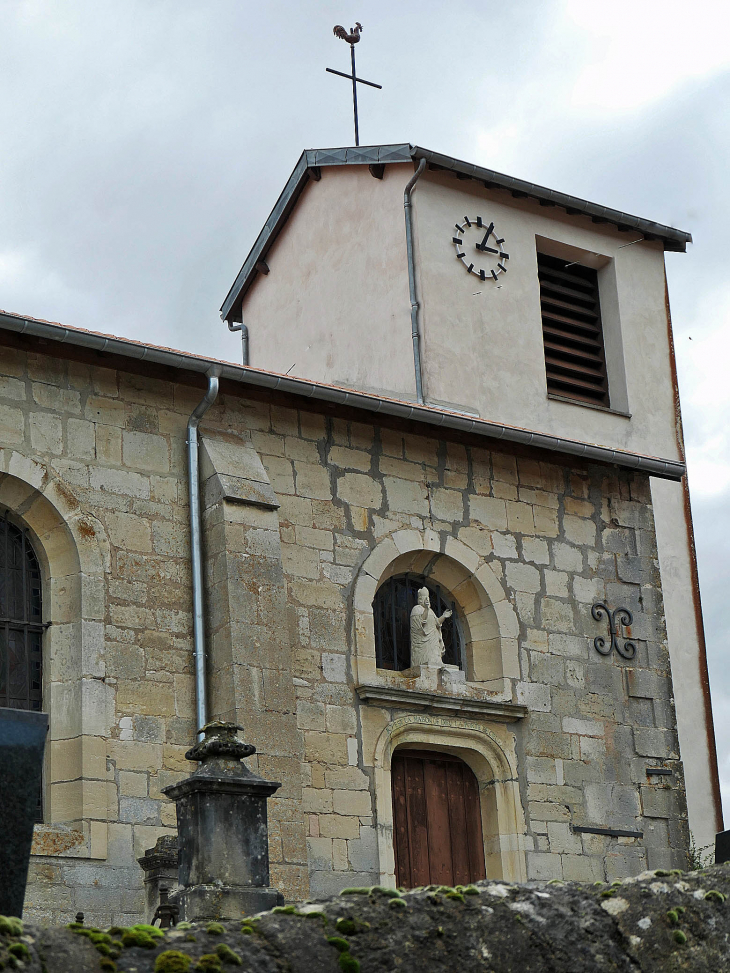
(428, 415)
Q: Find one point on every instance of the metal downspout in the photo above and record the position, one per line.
(196, 553)
(244, 338)
(412, 279)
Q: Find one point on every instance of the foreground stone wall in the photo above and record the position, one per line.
(305, 515)
(658, 922)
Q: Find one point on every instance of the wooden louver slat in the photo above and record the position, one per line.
(575, 360)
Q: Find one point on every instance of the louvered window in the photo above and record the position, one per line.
(575, 360)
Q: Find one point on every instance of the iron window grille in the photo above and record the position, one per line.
(575, 358)
(392, 606)
(21, 626)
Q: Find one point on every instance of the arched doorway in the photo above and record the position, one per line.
(437, 826)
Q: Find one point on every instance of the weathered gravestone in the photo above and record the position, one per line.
(22, 741)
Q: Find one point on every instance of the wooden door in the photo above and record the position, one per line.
(437, 824)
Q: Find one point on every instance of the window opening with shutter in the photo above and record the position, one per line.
(392, 606)
(21, 626)
(575, 358)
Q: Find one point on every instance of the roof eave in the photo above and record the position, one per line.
(312, 159)
(668, 469)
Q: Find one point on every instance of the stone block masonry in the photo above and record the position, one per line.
(92, 460)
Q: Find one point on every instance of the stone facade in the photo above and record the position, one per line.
(306, 513)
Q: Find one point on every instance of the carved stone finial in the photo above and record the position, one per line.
(221, 742)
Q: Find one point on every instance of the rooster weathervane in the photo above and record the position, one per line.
(352, 38)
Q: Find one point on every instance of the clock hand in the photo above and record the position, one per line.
(485, 249)
(483, 245)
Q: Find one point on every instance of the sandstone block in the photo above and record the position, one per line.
(567, 558)
(523, 577)
(319, 854)
(132, 784)
(310, 716)
(350, 459)
(347, 778)
(546, 521)
(81, 438)
(541, 866)
(406, 496)
(447, 505)
(120, 481)
(352, 802)
(341, 719)
(46, 433)
(654, 743)
(534, 695)
(519, 518)
(556, 584)
(312, 481)
(129, 532)
(536, 550)
(557, 616)
(339, 825)
(334, 667)
(316, 800)
(327, 748)
(361, 490)
(489, 511)
(562, 839)
(107, 411)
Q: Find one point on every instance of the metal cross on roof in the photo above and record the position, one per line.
(352, 38)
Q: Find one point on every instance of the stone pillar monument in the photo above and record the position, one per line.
(223, 847)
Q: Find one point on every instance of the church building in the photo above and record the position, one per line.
(447, 563)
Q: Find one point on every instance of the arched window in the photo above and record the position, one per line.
(21, 624)
(392, 606)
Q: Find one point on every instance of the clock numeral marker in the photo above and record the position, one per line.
(466, 220)
(482, 275)
(470, 267)
(494, 274)
(459, 227)
(502, 267)
(479, 221)
(504, 256)
(460, 256)
(457, 240)
(499, 242)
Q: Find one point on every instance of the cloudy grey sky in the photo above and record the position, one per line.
(145, 141)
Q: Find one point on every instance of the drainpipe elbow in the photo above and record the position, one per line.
(244, 338)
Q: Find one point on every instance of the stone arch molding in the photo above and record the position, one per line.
(490, 621)
(490, 754)
(74, 554)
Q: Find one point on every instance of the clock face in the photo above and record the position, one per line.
(479, 248)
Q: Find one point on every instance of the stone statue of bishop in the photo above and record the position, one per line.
(427, 643)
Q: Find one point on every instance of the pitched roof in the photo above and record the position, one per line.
(311, 160)
(433, 416)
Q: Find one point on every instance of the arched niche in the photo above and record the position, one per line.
(73, 552)
(488, 619)
(491, 756)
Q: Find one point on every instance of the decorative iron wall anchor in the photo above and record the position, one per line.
(617, 617)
